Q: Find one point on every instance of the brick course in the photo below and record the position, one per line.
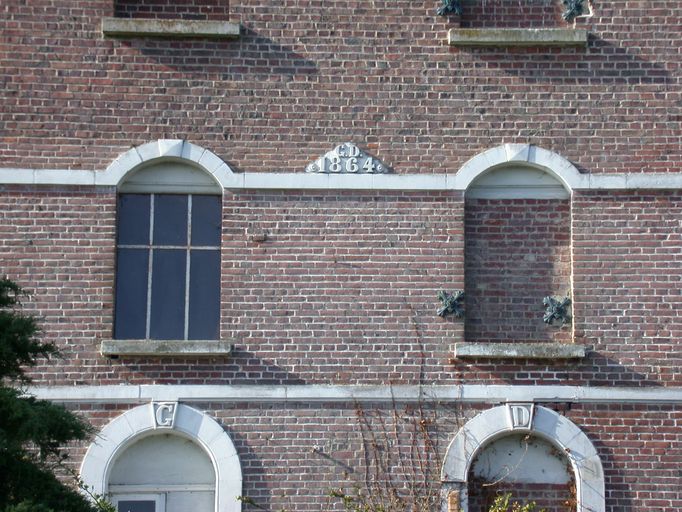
(169, 9)
(550, 497)
(518, 14)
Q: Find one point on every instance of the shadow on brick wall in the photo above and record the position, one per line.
(596, 369)
(240, 367)
(601, 63)
(249, 56)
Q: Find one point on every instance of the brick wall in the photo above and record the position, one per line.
(339, 287)
(58, 244)
(626, 280)
(639, 451)
(342, 288)
(307, 75)
(171, 9)
(517, 253)
(514, 14)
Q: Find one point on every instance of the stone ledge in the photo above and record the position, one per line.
(519, 351)
(165, 348)
(517, 37)
(127, 27)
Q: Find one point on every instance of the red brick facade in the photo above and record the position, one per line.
(335, 286)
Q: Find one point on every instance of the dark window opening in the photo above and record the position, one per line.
(168, 267)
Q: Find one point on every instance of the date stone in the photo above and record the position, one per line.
(347, 158)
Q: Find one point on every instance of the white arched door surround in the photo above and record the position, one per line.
(159, 418)
(541, 422)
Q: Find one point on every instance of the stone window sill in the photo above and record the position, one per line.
(517, 37)
(114, 348)
(138, 27)
(552, 351)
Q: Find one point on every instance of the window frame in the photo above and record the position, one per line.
(147, 250)
(158, 498)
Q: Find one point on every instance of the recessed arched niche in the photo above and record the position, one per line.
(517, 252)
(528, 467)
(163, 467)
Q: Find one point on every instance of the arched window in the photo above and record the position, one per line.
(167, 293)
(168, 255)
(527, 466)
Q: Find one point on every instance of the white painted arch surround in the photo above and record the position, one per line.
(556, 429)
(524, 154)
(190, 423)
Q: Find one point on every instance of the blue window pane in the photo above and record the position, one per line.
(168, 294)
(136, 506)
(133, 219)
(204, 295)
(170, 219)
(131, 294)
(206, 220)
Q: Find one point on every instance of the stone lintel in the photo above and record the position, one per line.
(519, 351)
(141, 27)
(165, 348)
(517, 37)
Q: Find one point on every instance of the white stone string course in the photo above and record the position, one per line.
(180, 150)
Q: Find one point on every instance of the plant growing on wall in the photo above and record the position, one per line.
(573, 9)
(32, 432)
(401, 461)
(504, 503)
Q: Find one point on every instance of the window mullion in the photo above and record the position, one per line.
(187, 263)
(149, 273)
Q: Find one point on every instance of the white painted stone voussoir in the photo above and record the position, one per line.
(161, 149)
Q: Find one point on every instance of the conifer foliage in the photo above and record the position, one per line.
(32, 431)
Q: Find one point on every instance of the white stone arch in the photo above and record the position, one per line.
(532, 156)
(176, 150)
(544, 423)
(186, 421)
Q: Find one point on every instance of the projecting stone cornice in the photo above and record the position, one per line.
(330, 393)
